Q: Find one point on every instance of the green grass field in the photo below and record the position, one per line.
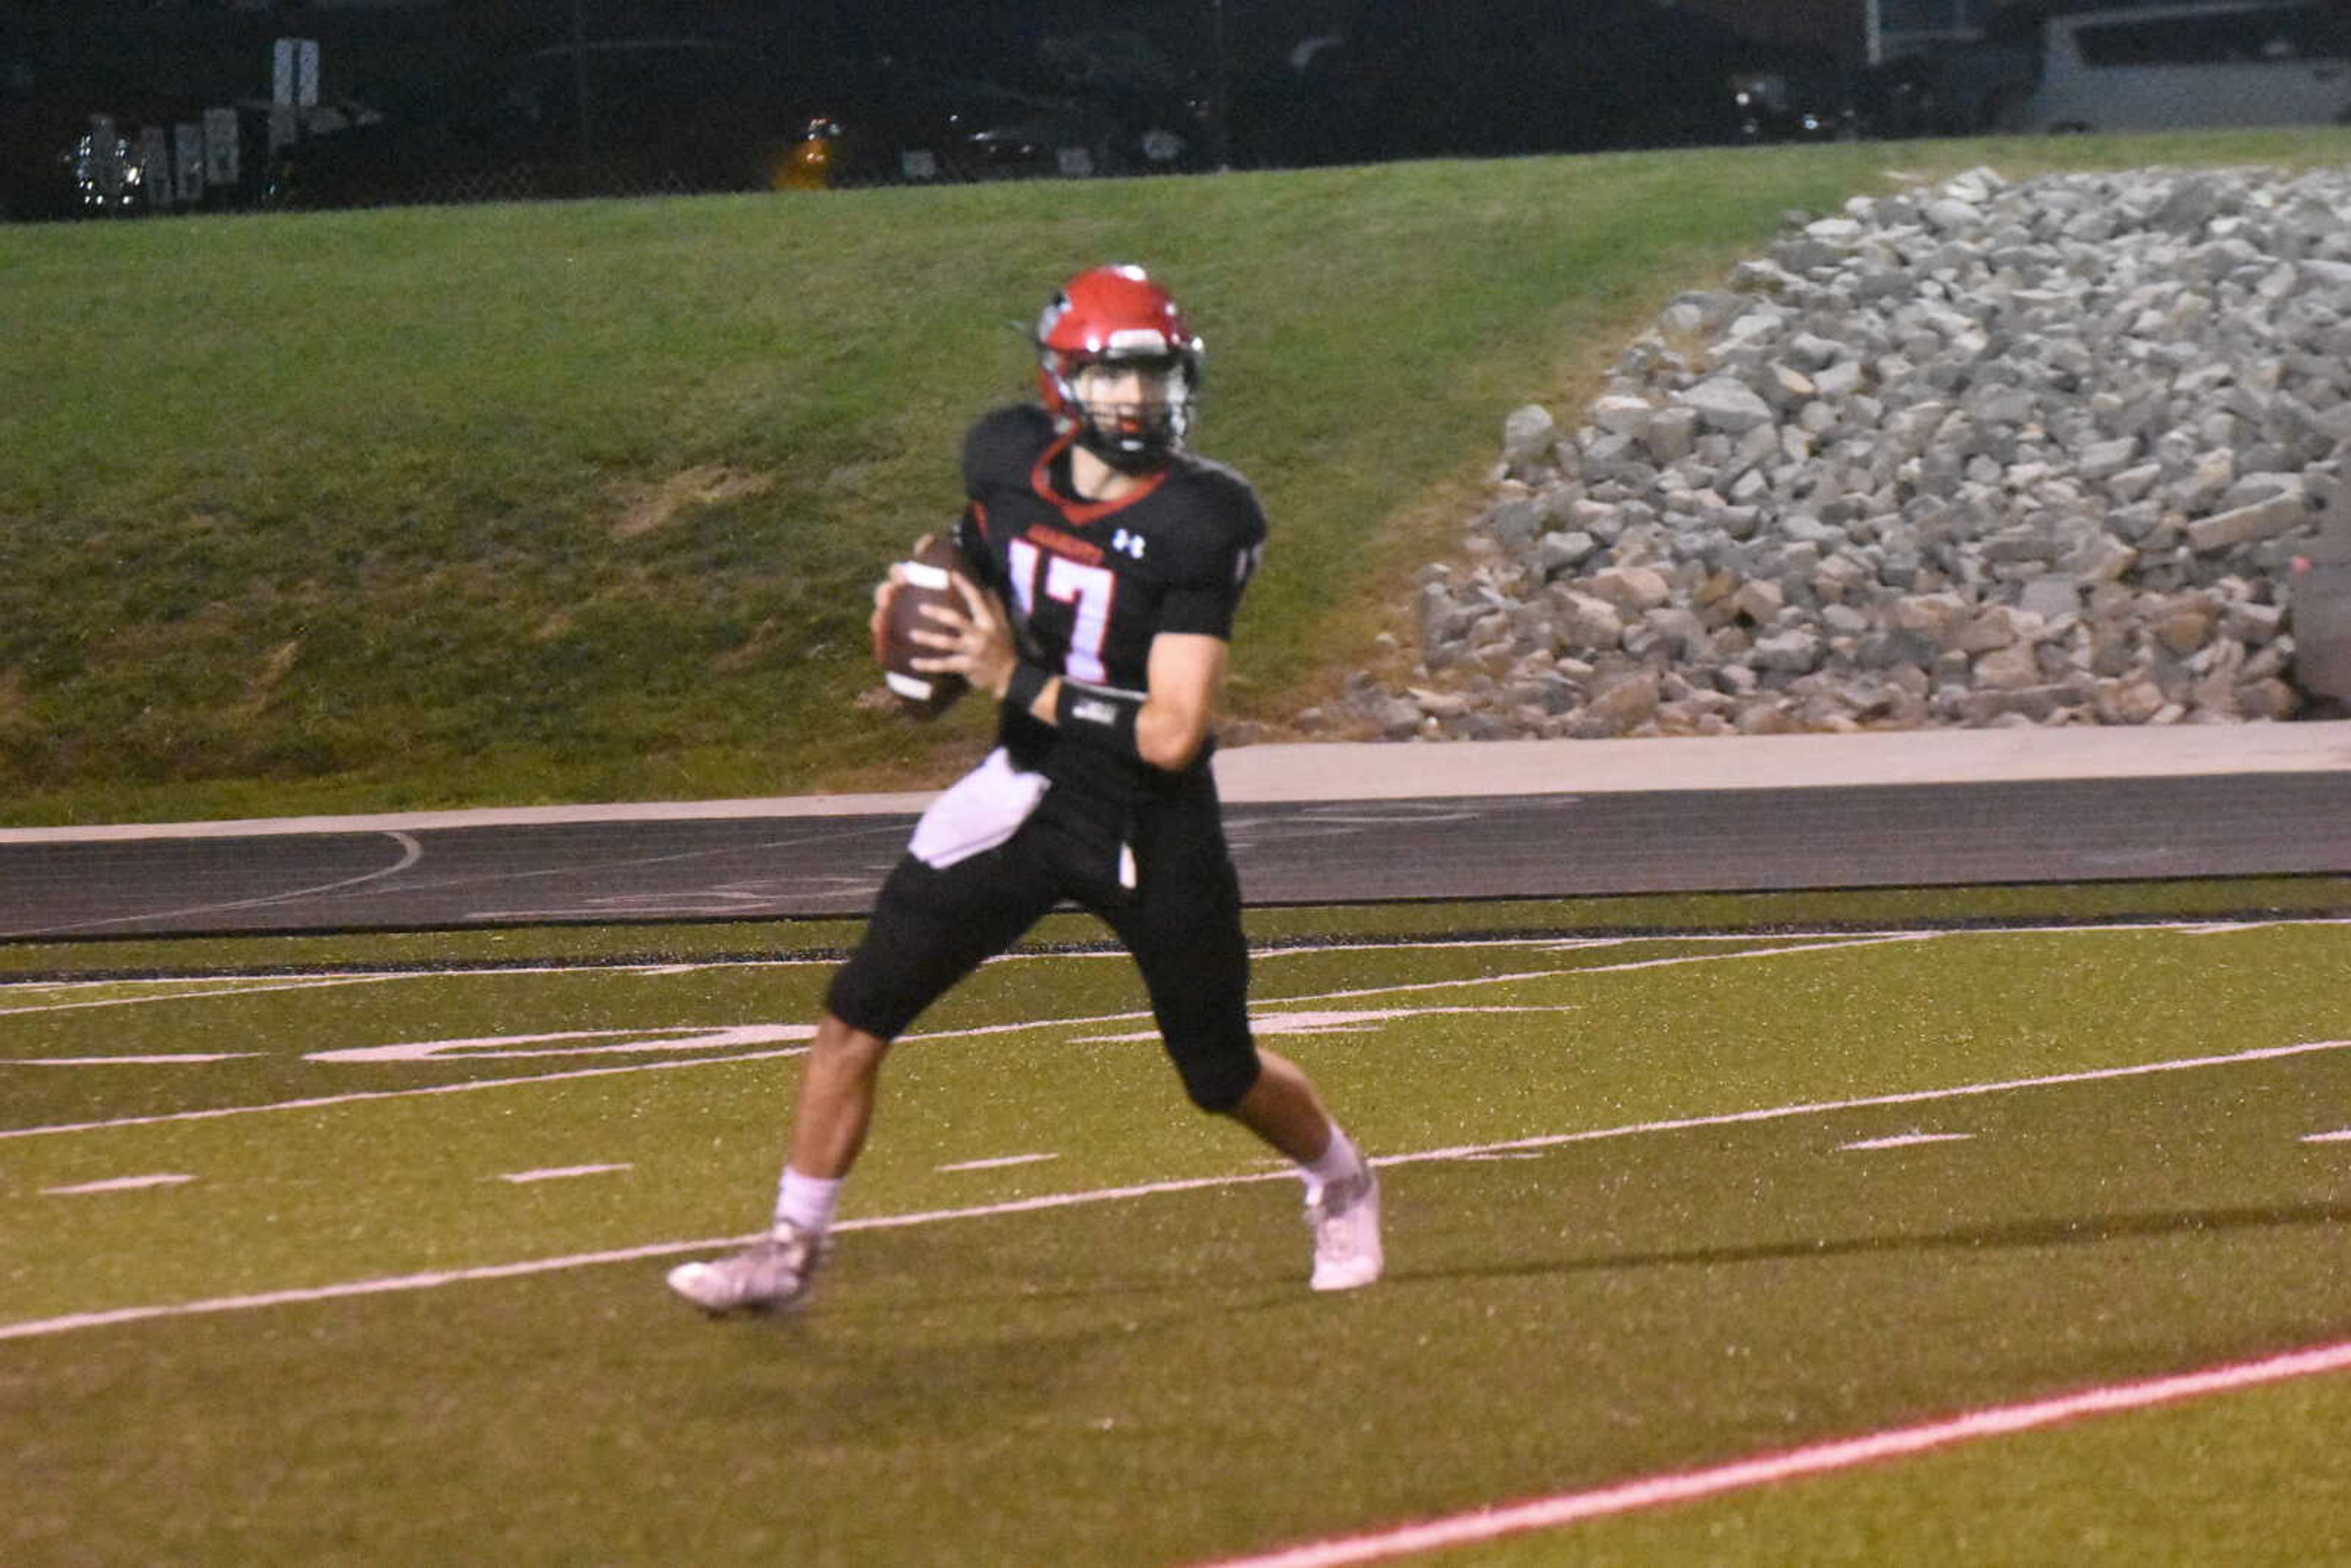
(574, 502)
(304, 1266)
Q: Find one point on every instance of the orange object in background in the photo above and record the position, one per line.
(808, 165)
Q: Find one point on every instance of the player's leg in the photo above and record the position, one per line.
(930, 928)
(1184, 929)
(839, 1078)
(1282, 1108)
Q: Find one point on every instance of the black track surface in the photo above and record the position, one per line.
(1324, 851)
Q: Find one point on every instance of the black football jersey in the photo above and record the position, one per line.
(1091, 583)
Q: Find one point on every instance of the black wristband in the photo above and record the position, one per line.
(1096, 716)
(1021, 690)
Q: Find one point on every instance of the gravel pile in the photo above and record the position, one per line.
(1983, 453)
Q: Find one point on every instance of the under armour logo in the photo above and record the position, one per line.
(1130, 544)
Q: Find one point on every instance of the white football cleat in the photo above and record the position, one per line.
(1345, 1216)
(774, 1274)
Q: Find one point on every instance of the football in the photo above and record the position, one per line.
(922, 694)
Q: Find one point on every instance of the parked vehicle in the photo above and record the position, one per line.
(2237, 62)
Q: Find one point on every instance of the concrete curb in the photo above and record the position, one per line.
(1342, 771)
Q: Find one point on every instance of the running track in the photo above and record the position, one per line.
(1310, 824)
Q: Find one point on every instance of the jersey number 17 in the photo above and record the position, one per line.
(1087, 590)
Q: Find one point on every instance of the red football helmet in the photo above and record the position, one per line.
(1117, 315)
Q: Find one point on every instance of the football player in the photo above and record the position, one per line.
(1103, 563)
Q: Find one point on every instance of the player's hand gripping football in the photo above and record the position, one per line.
(950, 629)
(976, 644)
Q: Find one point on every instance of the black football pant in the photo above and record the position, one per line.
(1181, 922)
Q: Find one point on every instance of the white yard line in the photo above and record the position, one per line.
(1562, 1508)
(359, 1096)
(255, 984)
(177, 1059)
(1826, 944)
(1874, 1101)
(39, 1327)
(324, 1102)
(253, 988)
(119, 1184)
(1858, 941)
(561, 1172)
(1792, 942)
(1001, 1162)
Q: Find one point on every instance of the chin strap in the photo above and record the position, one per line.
(1155, 454)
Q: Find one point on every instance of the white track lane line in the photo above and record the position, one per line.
(411, 852)
(1494, 1523)
(33, 1328)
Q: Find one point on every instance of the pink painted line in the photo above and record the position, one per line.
(1823, 1458)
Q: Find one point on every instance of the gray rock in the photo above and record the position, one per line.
(1586, 623)
(1670, 435)
(2104, 459)
(1561, 552)
(1514, 522)
(2262, 520)
(1528, 432)
(1622, 414)
(2051, 596)
(1726, 404)
(1794, 651)
(1635, 590)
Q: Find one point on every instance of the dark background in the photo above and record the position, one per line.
(450, 90)
(461, 99)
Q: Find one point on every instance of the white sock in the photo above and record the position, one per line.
(806, 1201)
(1336, 1163)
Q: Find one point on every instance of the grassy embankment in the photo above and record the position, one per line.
(568, 502)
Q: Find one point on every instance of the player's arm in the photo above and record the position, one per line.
(1186, 675)
(1165, 727)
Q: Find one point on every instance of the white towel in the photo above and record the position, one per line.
(978, 811)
